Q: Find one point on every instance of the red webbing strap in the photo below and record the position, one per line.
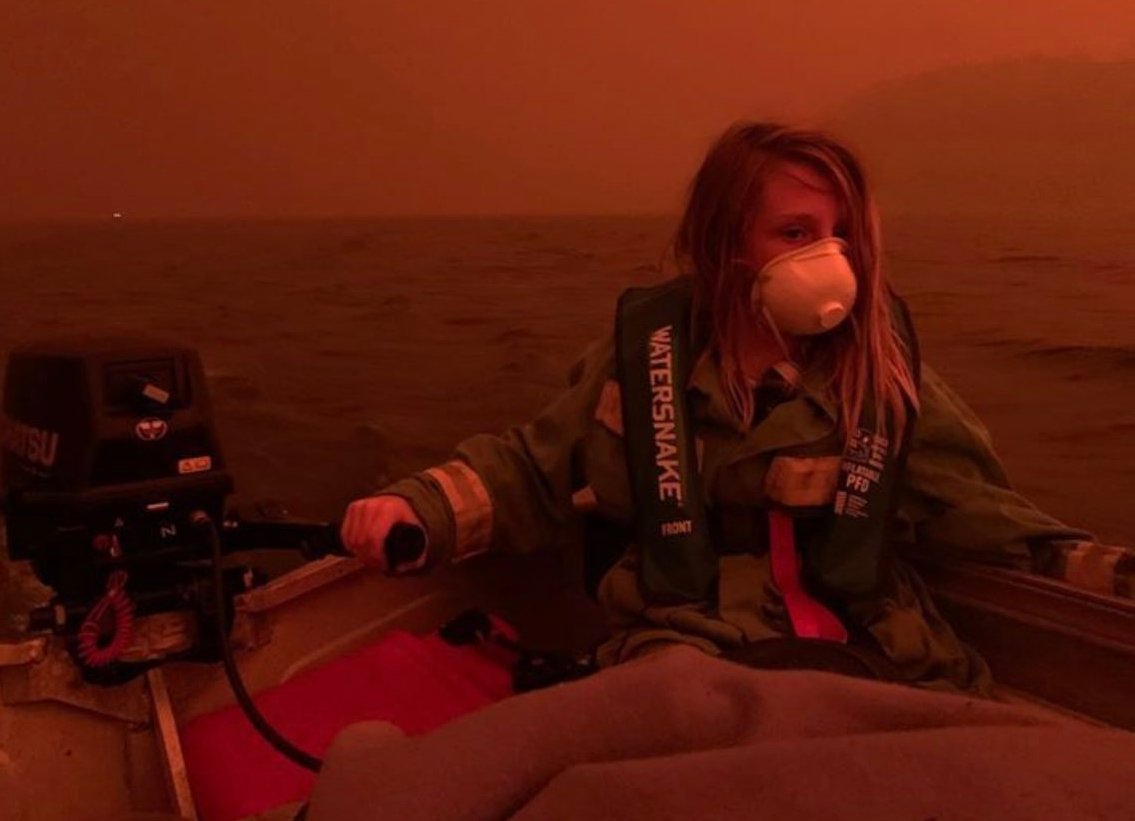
(809, 618)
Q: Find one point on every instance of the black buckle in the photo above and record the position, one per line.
(533, 670)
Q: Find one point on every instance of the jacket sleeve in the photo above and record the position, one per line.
(956, 495)
(514, 491)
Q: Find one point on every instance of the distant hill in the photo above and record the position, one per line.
(1038, 135)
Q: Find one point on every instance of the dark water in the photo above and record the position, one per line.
(343, 354)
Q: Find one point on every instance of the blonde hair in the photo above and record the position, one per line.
(864, 353)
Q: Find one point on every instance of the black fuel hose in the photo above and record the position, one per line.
(404, 545)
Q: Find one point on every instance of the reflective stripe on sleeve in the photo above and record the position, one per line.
(472, 508)
(1091, 566)
(609, 411)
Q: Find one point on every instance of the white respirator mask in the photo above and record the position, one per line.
(806, 291)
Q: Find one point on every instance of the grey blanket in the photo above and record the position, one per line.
(684, 736)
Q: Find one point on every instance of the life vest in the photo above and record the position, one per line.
(678, 561)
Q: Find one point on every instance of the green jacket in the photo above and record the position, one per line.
(525, 490)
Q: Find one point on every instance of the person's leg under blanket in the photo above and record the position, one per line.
(946, 773)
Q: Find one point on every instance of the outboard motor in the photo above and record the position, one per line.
(114, 490)
(108, 448)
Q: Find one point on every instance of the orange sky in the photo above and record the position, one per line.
(365, 107)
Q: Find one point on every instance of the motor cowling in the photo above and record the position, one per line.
(108, 447)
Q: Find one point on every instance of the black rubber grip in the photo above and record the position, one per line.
(405, 544)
